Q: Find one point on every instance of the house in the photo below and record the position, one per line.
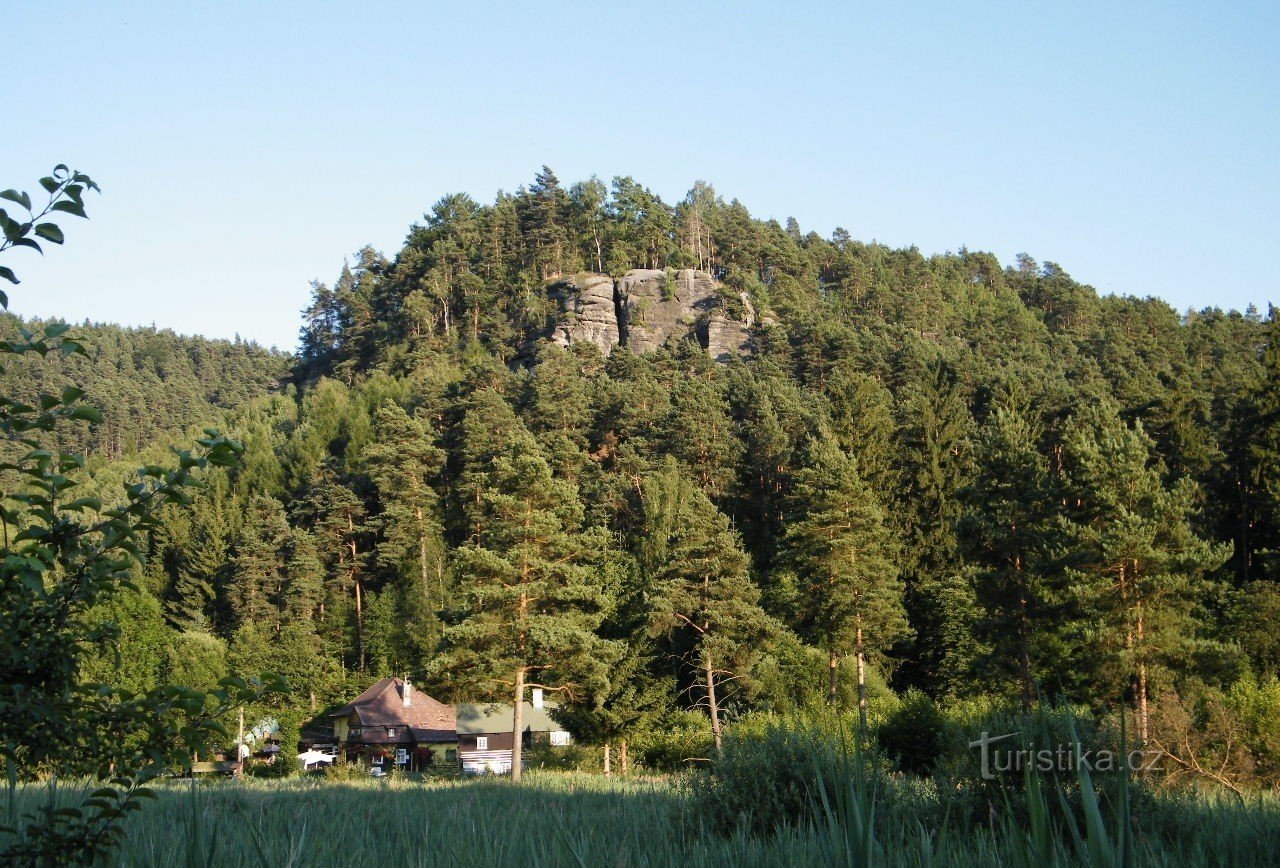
(485, 732)
(391, 723)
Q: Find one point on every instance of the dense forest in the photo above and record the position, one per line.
(522, 450)
(151, 385)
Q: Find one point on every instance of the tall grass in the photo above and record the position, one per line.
(860, 815)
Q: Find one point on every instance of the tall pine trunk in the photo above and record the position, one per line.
(1144, 717)
(862, 680)
(833, 676)
(517, 727)
(710, 674)
(1024, 639)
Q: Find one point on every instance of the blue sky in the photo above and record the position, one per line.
(246, 148)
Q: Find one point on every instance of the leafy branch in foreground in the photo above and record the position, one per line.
(66, 195)
(59, 555)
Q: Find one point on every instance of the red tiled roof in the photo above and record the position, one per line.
(383, 705)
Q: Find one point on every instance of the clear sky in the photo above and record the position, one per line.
(245, 148)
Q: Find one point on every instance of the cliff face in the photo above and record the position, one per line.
(644, 308)
(588, 312)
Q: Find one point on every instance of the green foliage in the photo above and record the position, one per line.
(993, 418)
(765, 782)
(66, 576)
(914, 734)
(66, 190)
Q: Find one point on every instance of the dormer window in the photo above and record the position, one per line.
(391, 733)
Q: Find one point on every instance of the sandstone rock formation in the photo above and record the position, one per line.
(588, 313)
(644, 308)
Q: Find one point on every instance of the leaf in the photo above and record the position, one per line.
(90, 414)
(72, 394)
(70, 208)
(49, 185)
(50, 232)
(52, 330)
(27, 242)
(7, 274)
(14, 196)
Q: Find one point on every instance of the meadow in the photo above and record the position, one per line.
(583, 819)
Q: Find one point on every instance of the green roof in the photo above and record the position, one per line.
(477, 718)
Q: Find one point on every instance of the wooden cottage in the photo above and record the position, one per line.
(485, 732)
(391, 724)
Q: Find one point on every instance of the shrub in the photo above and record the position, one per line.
(674, 742)
(914, 735)
(767, 781)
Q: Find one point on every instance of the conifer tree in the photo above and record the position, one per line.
(402, 463)
(530, 584)
(1144, 565)
(257, 570)
(846, 556)
(695, 575)
(1006, 533)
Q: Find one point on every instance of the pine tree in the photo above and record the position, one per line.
(402, 462)
(532, 599)
(337, 519)
(1144, 565)
(695, 575)
(847, 558)
(1006, 533)
(543, 222)
(258, 569)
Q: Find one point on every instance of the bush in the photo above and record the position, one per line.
(670, 744)
(764, 782)
(914, 735)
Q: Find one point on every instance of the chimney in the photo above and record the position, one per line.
(408, 692)
(537, 697)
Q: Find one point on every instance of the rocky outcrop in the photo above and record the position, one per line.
(656, 306)
(588, 312)
(727, 338)
(644, 308)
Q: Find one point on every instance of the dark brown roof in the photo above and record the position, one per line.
(383, 705)
(404, 735)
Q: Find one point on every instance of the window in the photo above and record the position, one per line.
(482, 742)
(451, 755)
(559, 738)
(402, 756)
(391, 733)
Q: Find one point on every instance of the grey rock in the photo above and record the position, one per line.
(655, 306)
(588, 313)
(645, 308)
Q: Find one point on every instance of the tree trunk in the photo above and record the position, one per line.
(1024, 641)
(833, 676)
(608, 765)
(711, 700)
(626, 765)
(360, 623)
(1144, 718)
(422, 557)
(517, 727)
(862, 681)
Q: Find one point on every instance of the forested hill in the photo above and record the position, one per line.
(985, 478)
(151, 385)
